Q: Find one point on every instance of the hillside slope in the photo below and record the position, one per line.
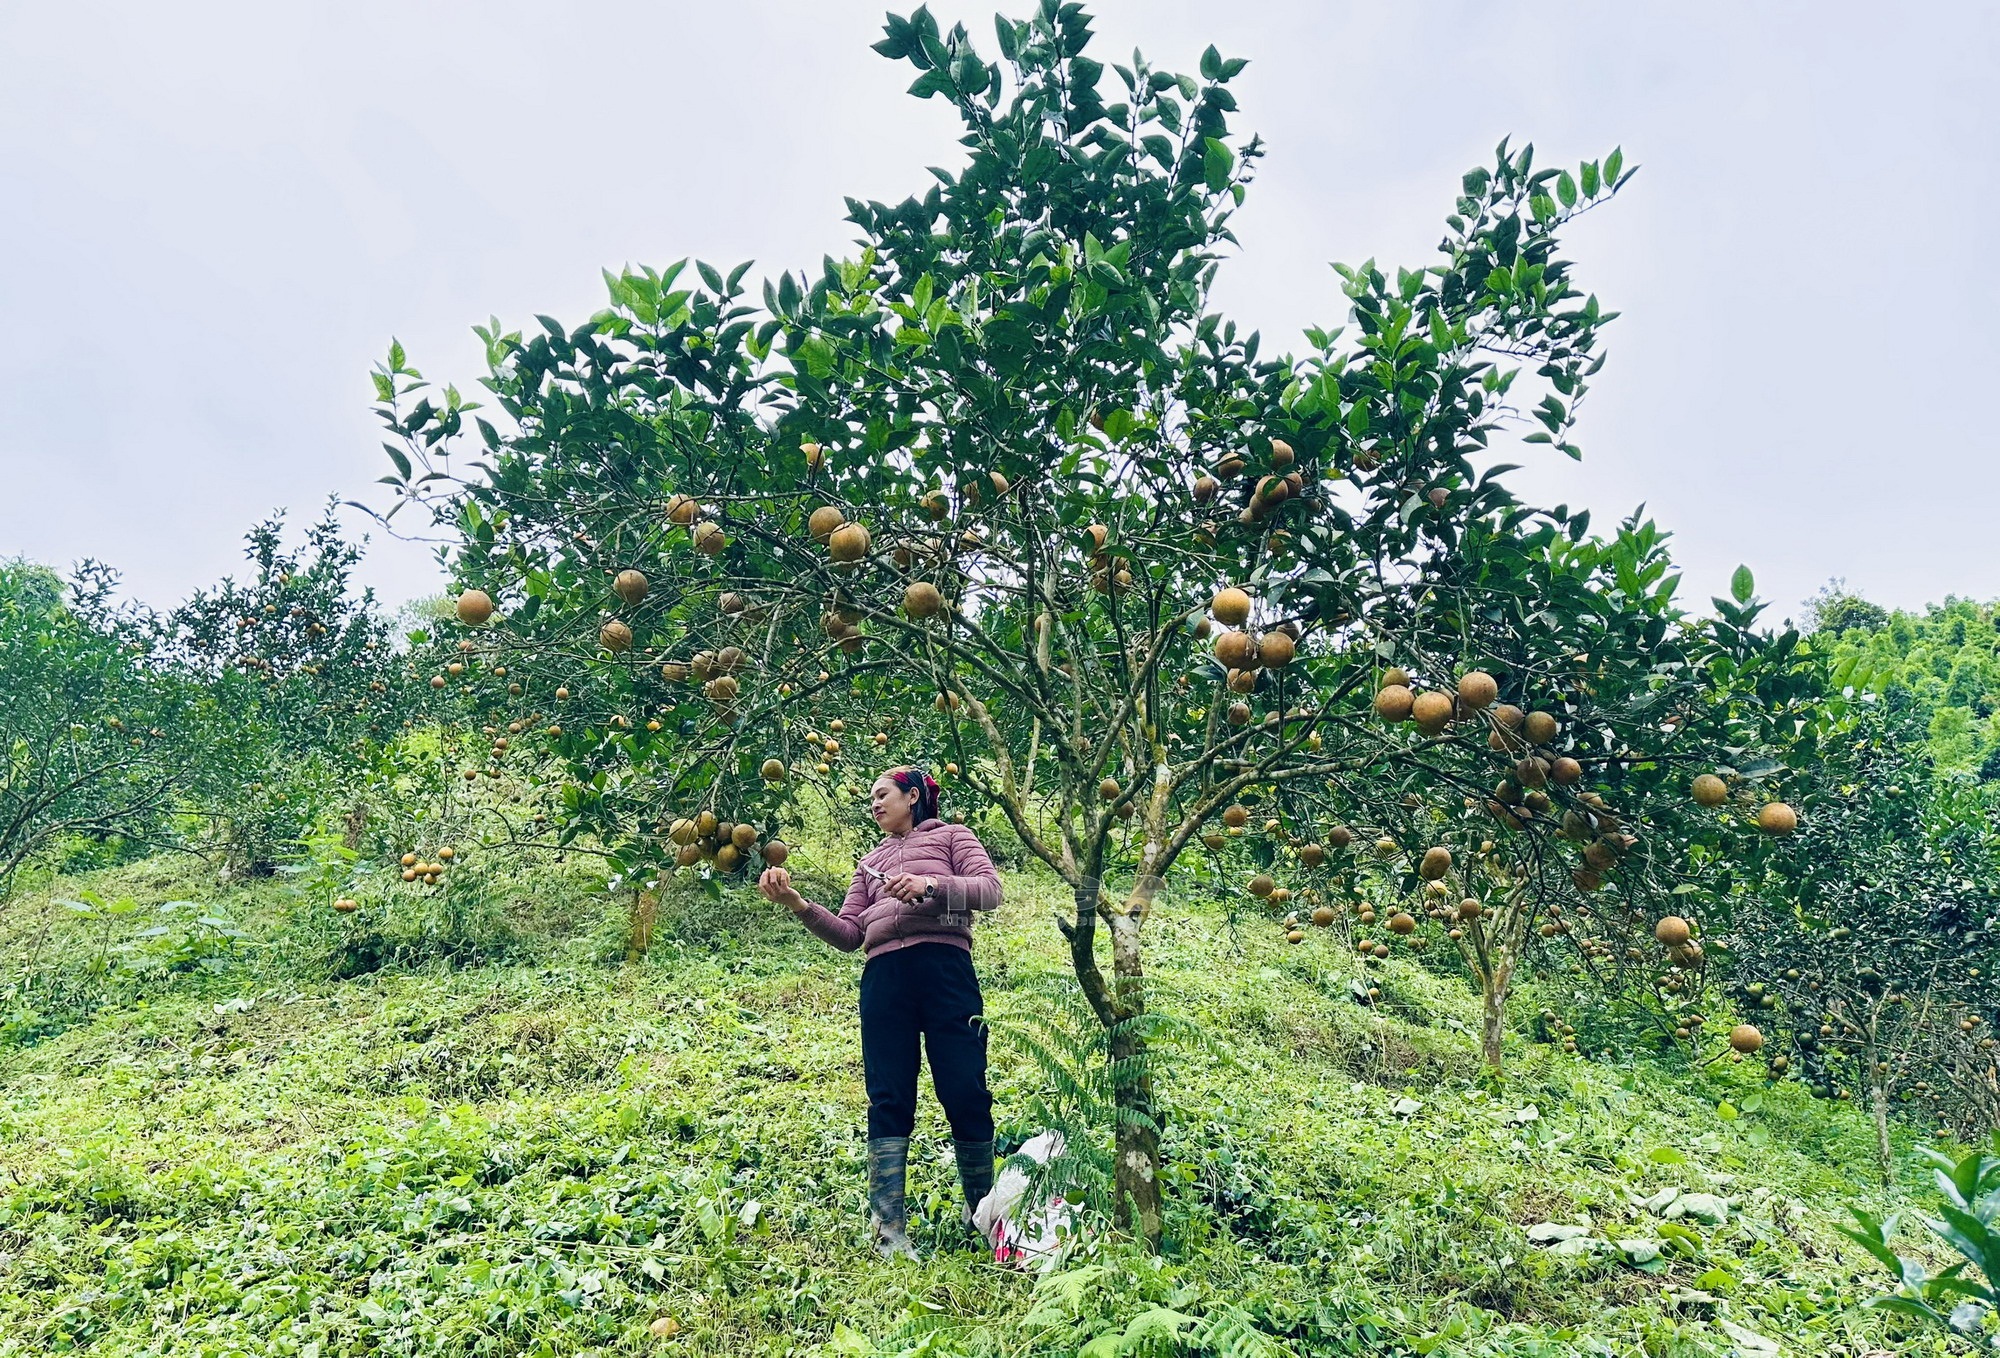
(546, 1156)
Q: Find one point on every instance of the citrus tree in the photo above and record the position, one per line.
(98, 737)
(304, 668)
(1003, 492)
(1874, 945)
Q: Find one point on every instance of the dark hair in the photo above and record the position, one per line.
(912, 779)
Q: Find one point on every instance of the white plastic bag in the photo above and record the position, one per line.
(1020, 1233)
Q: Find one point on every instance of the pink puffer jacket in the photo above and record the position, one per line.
(871, 918)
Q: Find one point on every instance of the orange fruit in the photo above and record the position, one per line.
(631, 586)
(1394, 702)
(1236, 650)
(1275, 650)
(847, 543)
(1231, 606)
(474, 607)
(823, 522)
(1431, 712)
(922, 600)
(1478, 690)
(1777, 818)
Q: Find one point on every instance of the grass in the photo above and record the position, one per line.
(532, 1149)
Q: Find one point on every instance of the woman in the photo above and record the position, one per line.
(910, 907)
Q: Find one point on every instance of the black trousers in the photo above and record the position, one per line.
(927, 990)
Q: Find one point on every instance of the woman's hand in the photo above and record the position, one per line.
(776, 884)
(908, 888)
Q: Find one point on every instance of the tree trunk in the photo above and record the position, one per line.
(1878, 1109)
(1136, 1175)
(357, 826)
(639, 937)
(1494, 994)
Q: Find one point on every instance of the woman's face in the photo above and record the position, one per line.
(891, 806)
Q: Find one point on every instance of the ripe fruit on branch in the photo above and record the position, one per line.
(681, 510)
(1565, 772)
(744, 837)
(1710, 790)
(1673, 931)
(1282, 456)
(1401, 923)
(631, 586)
(1431, 712)
(615, 637)
(814, 455)
(849, 542)
(1469, 909)
(1745, 1037)
(1340, 836)
(1275, 650)
(1393, 703)
(922, 600)
(1231, 606)
(773, 770)
(776, 852)
(1261, 886)
(1541, 728)
(1478, 690)
(822, 523)
(474, 607)
(1109, 789)
(709, 539)
(1236, 650)
(1312, 855)
(1436, 863)
(1236, 815)
(1776, 818)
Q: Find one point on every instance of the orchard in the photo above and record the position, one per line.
(1004, 492)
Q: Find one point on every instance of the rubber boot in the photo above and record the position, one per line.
(888, 1160)
(975, 1172)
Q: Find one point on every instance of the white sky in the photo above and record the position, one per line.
(214, 216)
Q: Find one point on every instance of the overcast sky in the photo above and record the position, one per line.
(213, 217)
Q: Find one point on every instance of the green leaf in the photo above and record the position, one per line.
(1742, 585)
(1726, 1111)
(1218, 162)
(1666, 1155)
(1566, 189)
(1613, 163)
